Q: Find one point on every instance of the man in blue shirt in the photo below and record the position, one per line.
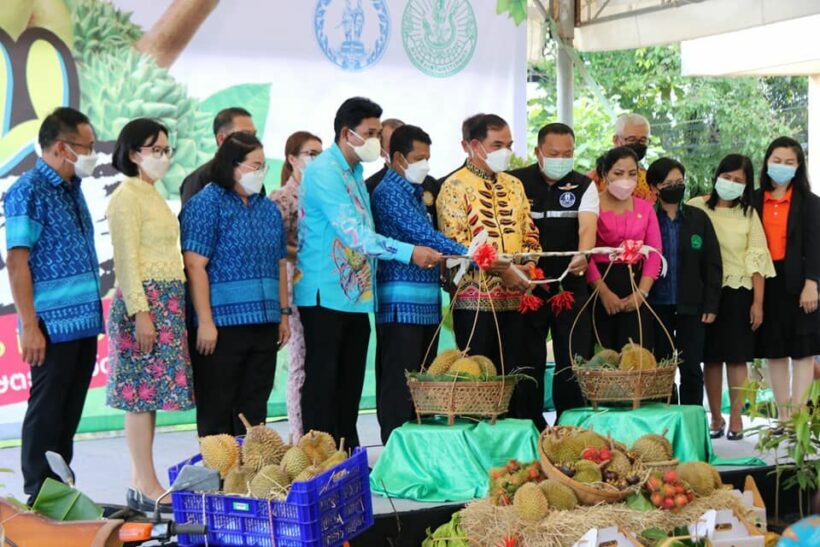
(409, 297)
(335, 281)
(54, 277)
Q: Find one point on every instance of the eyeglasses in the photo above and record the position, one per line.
(635, 140)
(311, 153)
(671, 183)
(255, 168)
(159, 151)
(89, 147)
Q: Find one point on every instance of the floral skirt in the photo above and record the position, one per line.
(161, 379)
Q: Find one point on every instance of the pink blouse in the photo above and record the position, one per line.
(287, 198)
(613, 229)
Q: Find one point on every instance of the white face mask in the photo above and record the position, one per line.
(305, 162)
(371, 150)
(155, 167)
(417, 171)
(498, 160)
(84, 164)
(252, 182)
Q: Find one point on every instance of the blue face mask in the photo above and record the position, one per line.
(780, 173)
(729, 190)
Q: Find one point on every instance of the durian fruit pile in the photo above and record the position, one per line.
(459, 365)
(591, 459)
(264, 466)
(631, 357)
(526, 488)
(652, 448)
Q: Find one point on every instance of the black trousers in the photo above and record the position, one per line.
(399, 347)
(335, 359)
(55, 405)
(236, 377)
(524, 403)
(566, 393)
(615, 331)
(688, 333)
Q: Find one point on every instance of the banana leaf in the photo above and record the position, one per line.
(60, 502)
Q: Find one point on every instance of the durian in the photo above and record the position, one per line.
(219, 452)
(587, 472)
(238, 480)
(336, 458)
(465, 366)
(262, 446)
(295, 461)
(653, 448)
(606, 358)
(589, 438)
(486, 364)
(619, 464)
(443, 361)
(701, 477)
(559, 496)
(634, 357)
(309, 473)
(318, 446)
(271, 480)
(562, 450)
(530, 503)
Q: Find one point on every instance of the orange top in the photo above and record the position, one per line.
(775, 222)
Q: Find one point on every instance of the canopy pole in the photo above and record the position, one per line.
(563, 62)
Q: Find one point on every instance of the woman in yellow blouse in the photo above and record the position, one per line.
(147, 342)
(730, 338)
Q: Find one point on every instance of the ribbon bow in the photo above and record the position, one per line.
(464, 263)
(631, 251)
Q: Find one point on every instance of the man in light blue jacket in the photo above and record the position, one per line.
(334, 286)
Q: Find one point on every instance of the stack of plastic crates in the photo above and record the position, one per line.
(325, 511)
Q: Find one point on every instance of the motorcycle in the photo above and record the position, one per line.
(119, 527)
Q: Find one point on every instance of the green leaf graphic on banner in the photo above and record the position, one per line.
(255, 98)
(516, 9)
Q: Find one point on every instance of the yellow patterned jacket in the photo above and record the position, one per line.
(471, 201)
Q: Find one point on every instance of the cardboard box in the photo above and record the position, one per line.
(608, 537)
(725, 528)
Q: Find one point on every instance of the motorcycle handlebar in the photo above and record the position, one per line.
(190, 529)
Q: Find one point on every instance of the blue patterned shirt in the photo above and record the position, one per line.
(49, 216)
(243, 245)
(338, 242)
(408, 293)
(665, 289)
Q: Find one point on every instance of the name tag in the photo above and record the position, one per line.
(536, 215)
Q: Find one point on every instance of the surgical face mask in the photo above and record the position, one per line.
(729, 190)
(780, 173)
(498, 160)
(155, 167)
(252, 182)
(557, 168)
(672, 194)
(305, 162)
(84, 164)
(639, 149)
(417, 171)
(622, 189)
(371, 150)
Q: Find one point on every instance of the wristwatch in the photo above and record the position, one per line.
(286, 311)
(644, 293)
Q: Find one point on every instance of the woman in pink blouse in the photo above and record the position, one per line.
(300, 149)
(623, 217)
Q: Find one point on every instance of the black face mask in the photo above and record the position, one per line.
(673, 194)
(639, 149)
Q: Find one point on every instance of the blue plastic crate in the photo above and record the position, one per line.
(323, 512)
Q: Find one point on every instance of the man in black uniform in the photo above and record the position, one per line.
(564, 206)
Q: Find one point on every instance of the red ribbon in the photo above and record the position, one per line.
(631, 252)
(485, 256)
(530, 302)
(561, 302)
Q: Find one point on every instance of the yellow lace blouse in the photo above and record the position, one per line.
(743, 247)
(145, 237)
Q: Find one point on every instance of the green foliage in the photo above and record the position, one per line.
(695, 119)
(448, 534)
(515, 9)
(60, 502)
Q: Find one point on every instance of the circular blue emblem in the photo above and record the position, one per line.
(567, 200)
(353, 34)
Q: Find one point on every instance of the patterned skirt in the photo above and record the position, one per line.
(161, 379)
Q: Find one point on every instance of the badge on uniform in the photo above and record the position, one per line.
(697, 241)
(427, 198)
(567, 200)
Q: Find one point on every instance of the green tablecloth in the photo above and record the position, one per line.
(686, 427)
(434, 462)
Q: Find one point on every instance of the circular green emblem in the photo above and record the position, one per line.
(697, 241)
(439, 36)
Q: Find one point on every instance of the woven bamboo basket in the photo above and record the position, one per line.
(668, 465)
(585, 493)
(599, 386)
(459, 398)
(608, 385)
